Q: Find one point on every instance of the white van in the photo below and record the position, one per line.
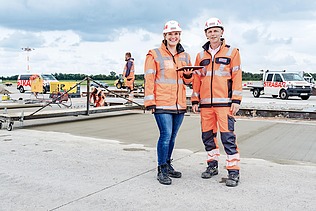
(24, 83)
(281, 84)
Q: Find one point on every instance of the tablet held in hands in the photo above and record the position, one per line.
(190, 67)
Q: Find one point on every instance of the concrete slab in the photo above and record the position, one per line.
(270, 139)
(60, 171)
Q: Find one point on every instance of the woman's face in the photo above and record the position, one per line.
(173, 38)
(214, 34)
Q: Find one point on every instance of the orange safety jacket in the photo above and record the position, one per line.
(219, 83)
(165, 87)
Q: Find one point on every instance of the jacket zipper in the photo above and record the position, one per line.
(174, 61)
(212, 74)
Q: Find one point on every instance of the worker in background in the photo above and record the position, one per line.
(217, 90)
(97, 97)
(165, 94)
(129, 76)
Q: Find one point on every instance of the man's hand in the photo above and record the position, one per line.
(234, 108)
(195, 108)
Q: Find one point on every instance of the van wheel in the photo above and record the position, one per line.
(304, 97)
(256, 93)
(21, 89)
(284, 95)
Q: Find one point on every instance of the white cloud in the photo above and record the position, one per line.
(92, 36)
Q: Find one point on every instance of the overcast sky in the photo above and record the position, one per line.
(92, 36)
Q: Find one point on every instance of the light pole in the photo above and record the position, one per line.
(28, 49)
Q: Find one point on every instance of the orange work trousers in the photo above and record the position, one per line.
(212, 119)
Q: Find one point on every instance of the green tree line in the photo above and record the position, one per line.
(246, 76)
(76, 77)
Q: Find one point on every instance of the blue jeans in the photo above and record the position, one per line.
(168, 125)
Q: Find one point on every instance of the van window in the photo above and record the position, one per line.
(277, 78)
(49, 77)
(292, 77)
(25, 77)
(269, 77)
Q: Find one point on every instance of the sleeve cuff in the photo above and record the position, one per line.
(187, 76)
(236, 101)
(150, 107)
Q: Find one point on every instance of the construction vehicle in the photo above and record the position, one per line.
(120, 84)
(281, 84)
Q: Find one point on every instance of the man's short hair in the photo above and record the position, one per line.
(128, 54)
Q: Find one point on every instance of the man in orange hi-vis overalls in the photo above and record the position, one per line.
(217, 89)
(129, 76)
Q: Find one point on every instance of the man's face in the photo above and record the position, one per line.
(214, 34)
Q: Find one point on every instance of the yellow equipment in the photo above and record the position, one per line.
(56, 87)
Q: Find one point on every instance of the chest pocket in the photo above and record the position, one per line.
(222, 60)
(205, 62)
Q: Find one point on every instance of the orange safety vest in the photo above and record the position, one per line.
(129, 80)
(132, 71)
(165, 88)
(219, 83)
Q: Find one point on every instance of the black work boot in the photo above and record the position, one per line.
(162, 175)
(171, 172)
(233, 179)
(211, 170)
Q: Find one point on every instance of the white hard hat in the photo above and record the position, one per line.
(213, 22)
(172, 26)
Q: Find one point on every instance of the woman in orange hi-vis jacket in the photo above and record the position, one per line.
(217, 89)
(165, 94)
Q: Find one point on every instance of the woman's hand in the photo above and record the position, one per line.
(188, 71)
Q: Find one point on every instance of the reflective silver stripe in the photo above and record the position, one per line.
(236, 68)
(233, 157)
(208, 73)
(149, 97)
(186, 58)
(161, 60)
(201, 54)
(222, 66)
(216, 100)
(168, 81)
(213, 154)
(222, 73)
(171, 107)
(237, 93)
(229, 52)
(232, 163)
(197, 72)
(195, 94)
(150, 71)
